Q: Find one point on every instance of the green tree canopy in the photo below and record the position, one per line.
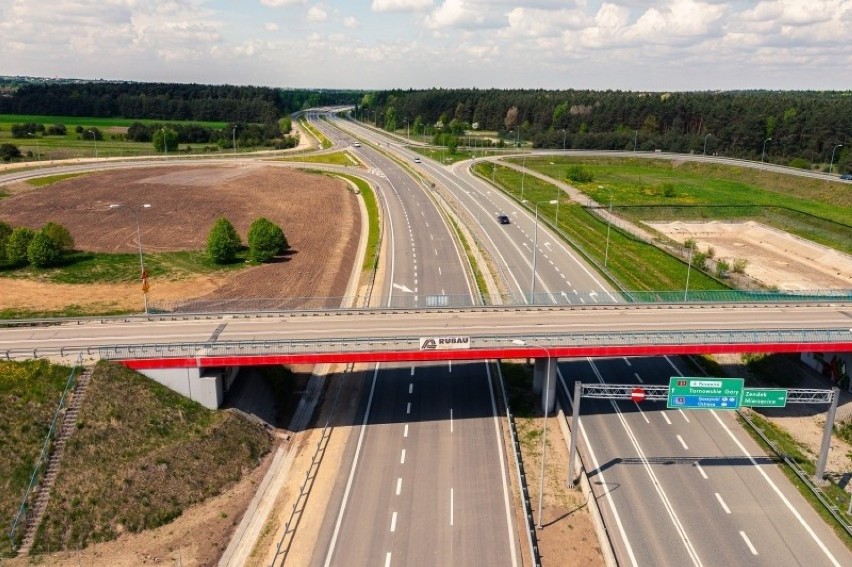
(43, 250)
(170, 137)
(8, 152)
(223, 242)
(60, 234)
(265, 240)
(5, 231)
(16, 245)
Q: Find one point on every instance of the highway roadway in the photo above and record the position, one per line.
(429, 448)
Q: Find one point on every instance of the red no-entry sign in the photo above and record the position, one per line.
(637, 395)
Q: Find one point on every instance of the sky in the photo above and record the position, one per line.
(654, 45)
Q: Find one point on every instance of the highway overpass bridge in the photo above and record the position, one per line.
(187, 352)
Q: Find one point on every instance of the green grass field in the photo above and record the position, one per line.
(334, 158)
(645, 190)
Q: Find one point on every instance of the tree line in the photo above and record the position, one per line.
(42, 248)
(807, 125)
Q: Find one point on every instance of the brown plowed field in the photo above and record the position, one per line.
(319, 215)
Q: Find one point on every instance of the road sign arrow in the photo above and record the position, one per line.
(402, 288)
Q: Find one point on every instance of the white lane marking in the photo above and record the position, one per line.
(769, 481)
(451, 506)
(701, 469)
(411, 384)
(684, 415)
(436, 251)
(398, 486)
(682, 442)
(499, 436)
(412, 373)
(439, 270)
(666, 418)
(451, 420)
(405, 432)
(748, 543)
(722, 503)
(638, 377)
(642, 413)
(655, 482)
(607, 493)
(408, 408)
(450, 363)
(402, 458)
(777, 491)
(387, 559)
(352, 473)
(627, 360)
(393, 522)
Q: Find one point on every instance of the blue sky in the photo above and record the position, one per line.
(657, 45)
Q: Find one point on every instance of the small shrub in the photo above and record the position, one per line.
(699, 260)
(60, 234)
(43, 251)
(8, 152)
(740, 265)
(800, 163)
(722, 268)
(579, 174)
(16, 246)
(669, 190)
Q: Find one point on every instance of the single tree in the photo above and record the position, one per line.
(16, 245)
(167, 138)
(43, 251)
(8, 152)
(265, 240)
(223, 242)
(5, 231)
(60, 234)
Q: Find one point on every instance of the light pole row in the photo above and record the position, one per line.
(143, 273)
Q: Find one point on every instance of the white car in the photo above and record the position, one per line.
(357, 144)
(417, 160)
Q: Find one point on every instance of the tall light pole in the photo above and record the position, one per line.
(763, 155)
(564, 137)
(94, 141)
(635, 138)
(705, 144)
(535, 248)
(165, 144)
(608, 226)
(831, 163)
(144, 275)
(407, 135)
(523, 175)
(234, 138)
(38, 146)
(688, 269)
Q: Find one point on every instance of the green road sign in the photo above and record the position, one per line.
(764, 397)
(705, 393)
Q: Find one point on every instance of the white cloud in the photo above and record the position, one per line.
(317, 14)
(271, 26)
(279, 3)
(400, 5)
(351, 22)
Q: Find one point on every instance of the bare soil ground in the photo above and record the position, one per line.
(775, 258)
(185, 200)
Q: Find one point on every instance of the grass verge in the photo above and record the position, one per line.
(141, 455)
(335, 158)
(323, 141)
(29, 394)
(48, 179)
(477, 271)
(372, 206)
(636, 265)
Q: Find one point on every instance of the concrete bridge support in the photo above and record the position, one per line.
(544, 381)
(207, 386)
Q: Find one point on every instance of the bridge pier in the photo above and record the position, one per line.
(207, 386)
(544, 373)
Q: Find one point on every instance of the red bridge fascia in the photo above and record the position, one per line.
(479, 354)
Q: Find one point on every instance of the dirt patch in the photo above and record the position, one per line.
(185, 201)
(775, 258)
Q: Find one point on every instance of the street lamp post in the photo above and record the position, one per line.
(564, 137)
(688, 269)
(94, 141)
(234, 138)
(523, 175)
(608, 226)
(165, 144)
(535, 248)
(38, 147)
(635, 138)
(144, 276)
(407, 135)
(763, 155)
(831, 163)
(705, 144)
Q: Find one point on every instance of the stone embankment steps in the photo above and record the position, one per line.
(69, 425)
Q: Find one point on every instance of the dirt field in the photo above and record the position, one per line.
(184, 203)
(775, 258)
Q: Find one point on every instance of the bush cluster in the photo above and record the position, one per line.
(265, 241)
(43, 248)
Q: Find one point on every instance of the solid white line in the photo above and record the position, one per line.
(722, 503)
(655, 482)
(451, 420)
(682, 442)
(684, 415)
(405, 432)
(642, 413)
(387, 559)
(393, 522)
(408, 408)
(700, 469)
(398, 486)
(777, 491)
(748, 543)
(451, 506)
(638, 377)
(666, 417)
(502, 462)
(352, 473)
(402, 458)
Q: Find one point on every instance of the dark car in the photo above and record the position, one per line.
(846, 177)
(503, 218)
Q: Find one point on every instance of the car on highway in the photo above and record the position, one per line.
(417, 160)
(846, 177)
(503, 218)
(357, 144)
